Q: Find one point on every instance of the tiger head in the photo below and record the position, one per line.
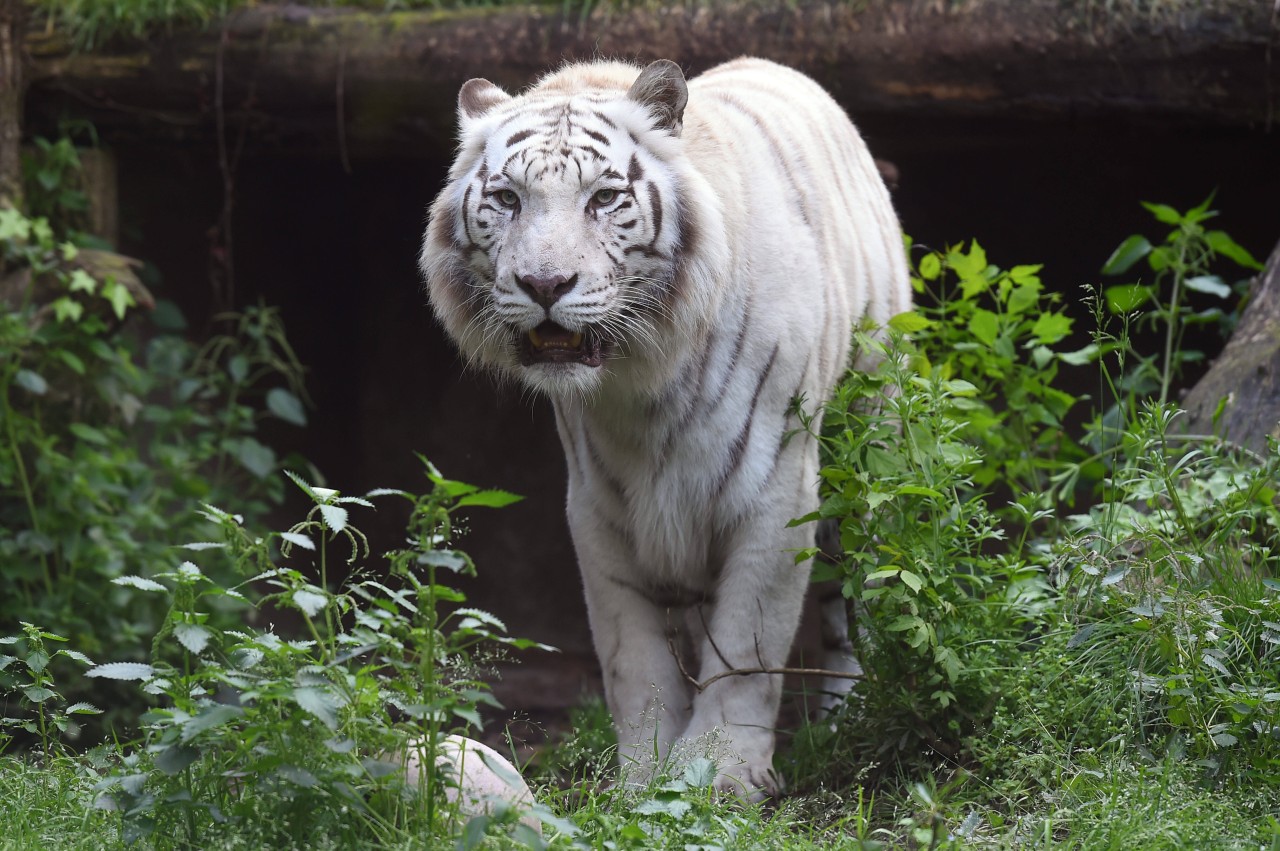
(574, 242)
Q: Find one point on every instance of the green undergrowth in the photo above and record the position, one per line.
(1070, 635)
(1066, 607)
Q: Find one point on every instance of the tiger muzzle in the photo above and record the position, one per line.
(551, 343)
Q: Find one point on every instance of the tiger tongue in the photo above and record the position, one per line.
(549, 335)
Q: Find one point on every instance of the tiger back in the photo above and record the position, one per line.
(674, 264)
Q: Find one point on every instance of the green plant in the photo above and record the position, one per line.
(277, 740)
(27, 673)
(1182, 265)
(105, 438)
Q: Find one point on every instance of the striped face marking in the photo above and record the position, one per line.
(570, 231)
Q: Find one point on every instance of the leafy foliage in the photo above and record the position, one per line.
(106, 438)
(996, 627)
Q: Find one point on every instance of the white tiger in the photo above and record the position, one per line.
(673, 265)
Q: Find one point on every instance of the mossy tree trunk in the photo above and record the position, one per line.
(1245, 379)
(12, 83)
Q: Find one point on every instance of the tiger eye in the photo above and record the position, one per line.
(604, 196)
(508, 198)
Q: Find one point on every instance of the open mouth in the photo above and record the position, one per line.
(550, 343)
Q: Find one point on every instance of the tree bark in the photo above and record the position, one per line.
(12, 80)
(390, 79)
(1245, 379)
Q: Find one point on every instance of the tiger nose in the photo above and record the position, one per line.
(546, 291)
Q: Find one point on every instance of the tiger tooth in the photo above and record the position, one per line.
(535, 339)
(575, 340)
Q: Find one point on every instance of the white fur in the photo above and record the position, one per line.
(680, 481)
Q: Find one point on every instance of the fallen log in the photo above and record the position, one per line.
(343, 77)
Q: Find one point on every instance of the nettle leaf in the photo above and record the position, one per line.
(192, 636)
(1164, 213)
(1223, 244)
(139, 582)
(298, 540)
(122, 671)
(83, 709)
(448, 559)
(76, 655)
(210, 717)
(38, 694)
(320, 702)
(700, 773)
(674, 807)
(335, 517)
(310, 602)
(490, 499)
(1126, 255)
(176, 758)
(286, 406)
(1211, 284)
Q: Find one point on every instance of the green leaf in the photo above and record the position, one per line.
(14, 225)
(119, 297)
(1127, 298)
(38, 694)
(32, 382)
(909, 322)
(911, 580)
(969, 265)
(238, 368)
(489, 499)
(1126, 255)
(176, 758)
(298, 540)
(72, 360)
(1164, 213)
(83, 709)
(320, 702)
(1080, 357)
(89, 434)
(122, 671)
(674, 807)
(254, 457)
(192, 636)
(141, 583)
(286, 406)
(1223, 244)
(310, 602)
(67, 308)
(700, 773)
(81, 282)
(210, 717)
(1051, 327)
(335, 517)
(930, 266)
(984, 325)
(1211, 284)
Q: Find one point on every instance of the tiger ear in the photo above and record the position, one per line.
(661, 88)
(477, 96)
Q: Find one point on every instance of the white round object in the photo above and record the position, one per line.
(484, 777)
